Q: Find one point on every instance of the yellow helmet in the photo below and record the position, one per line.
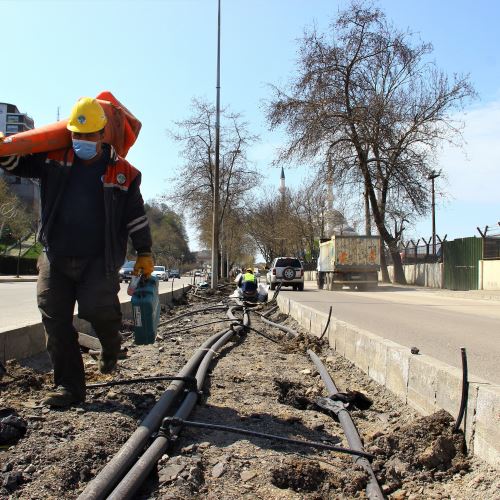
(87, 116)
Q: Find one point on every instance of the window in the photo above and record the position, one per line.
(13, 119)
(12, 129)
(288, 263)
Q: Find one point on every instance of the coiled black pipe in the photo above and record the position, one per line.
(115, 469)
(373, 490)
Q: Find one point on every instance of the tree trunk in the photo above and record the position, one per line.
(368, 224)
(383, 263)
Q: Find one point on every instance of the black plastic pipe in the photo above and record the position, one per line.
(465, 391)
(373, 490)
(140, 380)
(192, 327)
(327, 323)
(115, 469)
(246, 432)
(190, 313)
(141, 469)
(283, 328)
(268, 313)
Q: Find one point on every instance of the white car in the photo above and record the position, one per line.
(161, 273)
(286, 270)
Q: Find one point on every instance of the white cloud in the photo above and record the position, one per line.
(474, 171)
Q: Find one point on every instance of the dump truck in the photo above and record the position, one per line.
(350, 260)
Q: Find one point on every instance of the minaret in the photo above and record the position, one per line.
(282, 184)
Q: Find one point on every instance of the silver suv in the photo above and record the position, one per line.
(287, 270)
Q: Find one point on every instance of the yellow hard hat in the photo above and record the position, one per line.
(249, 270)
(87, 116)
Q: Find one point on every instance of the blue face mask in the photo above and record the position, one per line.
(85, 150)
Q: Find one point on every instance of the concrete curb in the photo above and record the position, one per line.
(29, 340)
(3, 279)
(424, 383)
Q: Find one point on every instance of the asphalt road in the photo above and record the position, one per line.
(18, 302)
(435, 322)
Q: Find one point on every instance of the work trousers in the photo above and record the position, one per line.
(63, 281)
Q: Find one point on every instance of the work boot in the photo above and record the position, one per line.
(62, 398)
(107, 363)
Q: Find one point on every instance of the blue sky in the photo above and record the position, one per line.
(155, 56)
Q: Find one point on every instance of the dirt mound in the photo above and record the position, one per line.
(293, 394)
(20, 379)
(303, 342)
(425, 450)
(298, 476)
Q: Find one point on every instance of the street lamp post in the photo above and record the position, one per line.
(433, 175)
(215, 219)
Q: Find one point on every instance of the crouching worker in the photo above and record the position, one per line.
(248, 284)
(90, 204)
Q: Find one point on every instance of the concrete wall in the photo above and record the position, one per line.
(30, 340)
(489, 275)
(429, 275)
(309, 275)
(424, 383)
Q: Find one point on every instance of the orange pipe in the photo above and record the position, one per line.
(121, 131)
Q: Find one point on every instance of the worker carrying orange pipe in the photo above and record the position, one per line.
(121, 132)
(90, 204)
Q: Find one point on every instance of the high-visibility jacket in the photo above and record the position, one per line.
(248, 282)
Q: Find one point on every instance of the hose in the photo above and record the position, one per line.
(327, 323)
(190, 313)
(373, 490)
(465, 391)
(141, 469)
(115, 469)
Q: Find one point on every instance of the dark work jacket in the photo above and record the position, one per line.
(123, 204)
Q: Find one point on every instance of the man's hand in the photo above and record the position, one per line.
(144, 265)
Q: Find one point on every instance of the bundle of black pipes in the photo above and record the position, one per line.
(373, 491)
(124, 474)
(125, 458)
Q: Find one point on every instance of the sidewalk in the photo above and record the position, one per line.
(6, 278)
(456, 294)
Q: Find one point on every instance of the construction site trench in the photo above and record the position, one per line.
(259, 379)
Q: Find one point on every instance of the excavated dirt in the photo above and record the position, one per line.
(254, 384)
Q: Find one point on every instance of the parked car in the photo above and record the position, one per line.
(174, 273)
(198, 273)
(287, 270)
(161, 273)
(126, 270)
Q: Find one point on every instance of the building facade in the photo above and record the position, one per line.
(12, 121)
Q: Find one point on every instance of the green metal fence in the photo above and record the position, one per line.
(461, 263)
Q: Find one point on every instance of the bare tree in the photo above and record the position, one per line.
(193, 188)
(367, 95)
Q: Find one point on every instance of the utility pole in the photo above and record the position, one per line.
(433, 175)
(215, 221)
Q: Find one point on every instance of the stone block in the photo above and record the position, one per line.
(422, 383)
(340, 336)
(318, 322)
(22, 342)
(351, 340)
(365, 345)
(487, 424)
(377, 363)
(397, 369)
